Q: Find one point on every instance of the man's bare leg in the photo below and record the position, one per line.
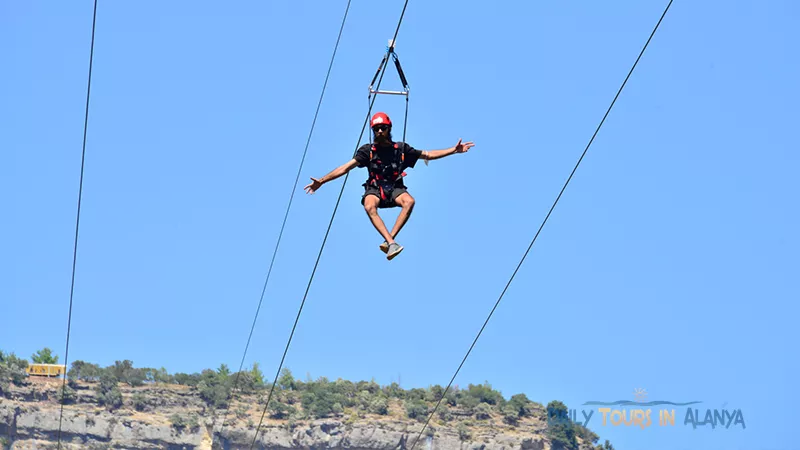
(406, 201)
(371, 206)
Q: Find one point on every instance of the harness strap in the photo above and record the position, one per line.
(379, 177)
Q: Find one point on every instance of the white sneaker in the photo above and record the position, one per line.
(394, 250)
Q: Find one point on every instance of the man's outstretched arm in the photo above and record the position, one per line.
(334, 174)
(436, 154)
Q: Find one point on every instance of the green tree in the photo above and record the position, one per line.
(394, 391)
(162, 376)
(346, 393)
(246, 382)
(606, 446)
(521, 404)
(214, 388)
(485, 394)
(126, 373)
(560, 428)
(258, 376)
(84, 371)
(435, 392)
(286, 380)
(370, 386)
(44, 356)
(416, 394)
(108, 393)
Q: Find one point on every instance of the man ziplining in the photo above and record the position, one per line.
(386, 161)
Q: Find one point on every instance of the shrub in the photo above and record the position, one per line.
(12, 370)
(434, 393)
(485, 394)
(139, 402)
(364, 399)
(177, 421)
(483, 411)
(444, 412)
(585, 434)
(416, 409)
(187, 380)
(107, 392)
(452, 397)
(463, 432)
(66, 395)
(162, 376)
(468, 402)
(245, 382)
(521, 403)
(379, 405)
(510, 414)
(280, 410)
(193, 423)
(416, 394)
(394, 391)
(318, 402)
(213, 388)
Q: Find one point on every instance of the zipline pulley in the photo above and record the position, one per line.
(390, 52)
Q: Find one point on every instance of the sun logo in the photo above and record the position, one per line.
(640, 393)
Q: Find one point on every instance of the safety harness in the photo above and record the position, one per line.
(382, 174)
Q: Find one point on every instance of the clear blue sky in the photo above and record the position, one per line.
(670, 263)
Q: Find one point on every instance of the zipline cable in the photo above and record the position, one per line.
(77, 224)
(286, 215)
(325, 239)
(542, 225)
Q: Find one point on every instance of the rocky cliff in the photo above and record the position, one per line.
(161, 416)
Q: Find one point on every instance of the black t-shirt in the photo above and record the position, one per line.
(386, 152)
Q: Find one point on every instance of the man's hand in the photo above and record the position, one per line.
(335, 173)
(313, 186)
(463, 148)
(430, 155)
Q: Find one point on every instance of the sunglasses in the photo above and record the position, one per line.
(380, 127)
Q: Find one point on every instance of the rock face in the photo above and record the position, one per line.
(174, 418)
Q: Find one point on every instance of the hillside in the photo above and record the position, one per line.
(124, 407)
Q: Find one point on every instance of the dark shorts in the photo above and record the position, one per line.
(390, 198)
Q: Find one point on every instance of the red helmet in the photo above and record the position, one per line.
(380, 118)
